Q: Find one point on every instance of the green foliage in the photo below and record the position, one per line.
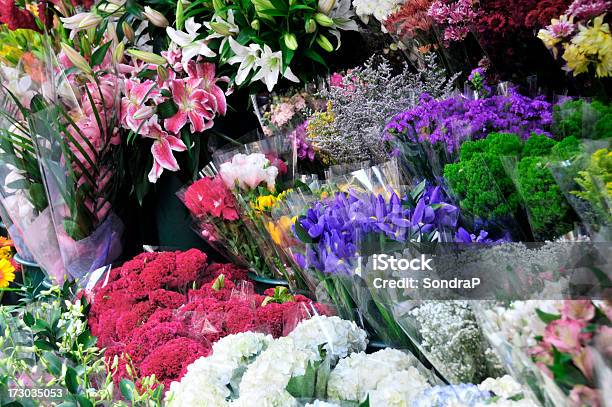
(487, 185)
(596, 183)
(582, 120)
(549, 212)
(480, 179)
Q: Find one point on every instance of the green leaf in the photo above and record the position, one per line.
(72, 383)
(37, 104)
(44, 345)
(366, 403)
(303, 386)
(52, 362)
(315, 56)
(87, 339)
(99, 54)
(301, 233)
(84, 401)
(28, 319)
(546, 317)
(167, 109)
(127, 389)
(323, 372)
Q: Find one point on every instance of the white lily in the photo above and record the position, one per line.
(222, 28)
(81, 21)
(247, 57)
(187, 41)
(270, 64)
(343, 15)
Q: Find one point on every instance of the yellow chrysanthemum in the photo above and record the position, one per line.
(7, 273)
(264, 203)
(575, 59)
(593, 39)
(548, 39)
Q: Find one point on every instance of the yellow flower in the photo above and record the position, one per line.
(264, 203)
(6, 253)
(575, 59)
(7, 273)
(279, 232)
(595, 39)
(547, 38)
(283, 195)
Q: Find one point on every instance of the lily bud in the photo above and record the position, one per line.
(323, 20)
(81, 21)
(162, 73)
(128, 31)
(220, 28)
(310, 26)
(109, 8)
(324, 43)
(290, 41)
(180, 15)
(118, 52)
(255, 24)
(155, 17)
(147, 56)
(326, 6)
(144, 113)
(218, 5)
(77, 59)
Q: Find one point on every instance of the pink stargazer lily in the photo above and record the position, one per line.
(162, 149)
(133, 108)
(195, 105)
(206, 72)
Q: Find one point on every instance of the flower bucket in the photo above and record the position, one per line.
(31, 273)
(262, 283)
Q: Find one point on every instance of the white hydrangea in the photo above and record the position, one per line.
(268, 376)
(398, 389)
(266, 397)
(380, 9)
(505, 387)
(215, 372)
(338, 336)
(357, 375)
(319, 403)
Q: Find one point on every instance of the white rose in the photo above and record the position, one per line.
(505, 387)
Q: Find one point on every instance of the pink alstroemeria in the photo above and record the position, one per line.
(195, 105)
(206, 72)
(133, 109)
(162, 149)
(566, 335)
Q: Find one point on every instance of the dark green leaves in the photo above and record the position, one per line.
(127, 389)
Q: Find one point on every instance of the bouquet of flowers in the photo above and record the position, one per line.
(218, 220)
(264, 41)
(25, 205)
(545, 344)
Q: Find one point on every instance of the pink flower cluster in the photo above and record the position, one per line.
(454, 16)
(570, 335)
(161, 311)
(194, 93)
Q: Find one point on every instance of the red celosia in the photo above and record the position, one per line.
(210, 196)
(170, 360)
(149, 313)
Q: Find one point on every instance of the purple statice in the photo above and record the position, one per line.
(451, 121)
(303, 147)
(587, 9)
(336, 226)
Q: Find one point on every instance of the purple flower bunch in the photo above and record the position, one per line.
(304, 148)
(336, 228)
(451, 121)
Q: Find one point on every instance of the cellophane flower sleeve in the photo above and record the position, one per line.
(76, 126)
(259, 174)
(217, 220)
(26, 210)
